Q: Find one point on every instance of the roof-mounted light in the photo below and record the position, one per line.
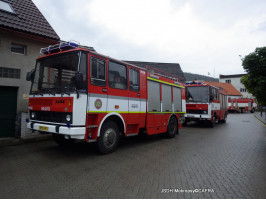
(199, 82)
(194, 82)
(62, 46)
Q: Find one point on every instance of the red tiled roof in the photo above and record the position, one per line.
(228, 87)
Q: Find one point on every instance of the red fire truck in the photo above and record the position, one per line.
(205, 102)
(241, 105)
(77, 93)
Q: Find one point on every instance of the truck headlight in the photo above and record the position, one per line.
(204, 112)
(33, 115)
(68, 118)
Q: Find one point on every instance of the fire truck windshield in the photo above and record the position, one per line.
(56, 74)
(197, 94)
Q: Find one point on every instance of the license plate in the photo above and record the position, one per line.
(43, 128)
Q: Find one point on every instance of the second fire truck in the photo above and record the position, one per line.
(205, 102)
(241, 105)
(77, 93)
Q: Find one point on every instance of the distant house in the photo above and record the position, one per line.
(235, 81)
(23, 31)
(172, 68)
(231, 91)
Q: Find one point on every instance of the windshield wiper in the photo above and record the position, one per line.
(40, 93)
(196, 101)
(64, 91)
(51, 92)
(48, 90)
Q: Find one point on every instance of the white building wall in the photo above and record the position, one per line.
(235, 81)
(19, 61)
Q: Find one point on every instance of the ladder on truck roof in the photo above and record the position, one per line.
(156, 72)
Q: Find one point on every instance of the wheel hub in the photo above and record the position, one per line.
(109, 138)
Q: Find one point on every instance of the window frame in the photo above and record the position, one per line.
(126, 72)
(131, 86)
(105, 73)
(243, 90)
(8, 4)
(21, 45)
(13, 73)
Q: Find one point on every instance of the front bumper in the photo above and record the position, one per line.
(72, 132)
(198, 117)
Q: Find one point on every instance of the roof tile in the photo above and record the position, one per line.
(27, 18)
(228, 87)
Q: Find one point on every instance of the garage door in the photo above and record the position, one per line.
(8, 109)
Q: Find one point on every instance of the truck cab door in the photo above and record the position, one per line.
(97, 97)
(137, 102)
(134, 101)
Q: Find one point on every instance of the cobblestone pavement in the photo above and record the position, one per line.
(229, 161)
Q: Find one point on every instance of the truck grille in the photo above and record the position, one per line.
(58, 117)
(197, 111)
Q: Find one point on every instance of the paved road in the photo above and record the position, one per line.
(229, 161)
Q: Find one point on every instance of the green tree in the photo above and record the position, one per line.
(255, 80)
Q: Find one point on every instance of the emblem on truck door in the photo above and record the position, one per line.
(98, 103)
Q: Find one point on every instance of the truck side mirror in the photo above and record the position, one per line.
(79, 80)
(29, 76)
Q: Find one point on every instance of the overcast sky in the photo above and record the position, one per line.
(203, 36)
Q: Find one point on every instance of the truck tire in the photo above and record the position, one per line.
(61, 140)
(172, 128)
(185, 122)
(109, 137)
(225, 118)
(213, 121)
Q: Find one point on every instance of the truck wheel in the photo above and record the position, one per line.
(109, 137)
(61, 140)
(225, 118)
(213, 121)
(185, 122)
(172, 128)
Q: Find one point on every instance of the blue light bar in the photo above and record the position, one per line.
(62, 46)
(194, 82)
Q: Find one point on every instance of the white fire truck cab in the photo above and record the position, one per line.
(205, 102)
(77, 93)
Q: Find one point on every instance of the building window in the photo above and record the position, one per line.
(9, 73)
(6, 7)
(18, 48)
(243, 90)
(228, 81)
